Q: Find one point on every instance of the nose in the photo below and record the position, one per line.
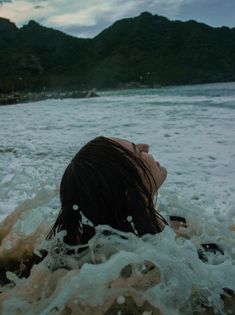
(143, 147)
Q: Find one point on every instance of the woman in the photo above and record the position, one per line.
(110, 181)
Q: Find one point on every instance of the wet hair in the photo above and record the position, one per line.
(104, 183)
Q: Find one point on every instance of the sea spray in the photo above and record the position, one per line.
(159, 273)
(190, 129)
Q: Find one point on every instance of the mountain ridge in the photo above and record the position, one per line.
(147, 50)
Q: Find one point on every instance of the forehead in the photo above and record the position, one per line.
(125, 143)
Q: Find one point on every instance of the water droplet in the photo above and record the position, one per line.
(121, 299)
(75, 207)
(129, 218)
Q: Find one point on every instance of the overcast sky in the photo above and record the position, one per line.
(86, 18)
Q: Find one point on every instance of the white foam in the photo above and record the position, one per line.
(188, 135)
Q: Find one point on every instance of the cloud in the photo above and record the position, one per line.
(20, 11)
(213, 12)
(87, 18)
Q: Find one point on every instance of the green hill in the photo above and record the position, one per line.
(145, 50)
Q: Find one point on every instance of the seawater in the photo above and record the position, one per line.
(191, 131)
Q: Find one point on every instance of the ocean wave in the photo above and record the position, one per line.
(116, 272)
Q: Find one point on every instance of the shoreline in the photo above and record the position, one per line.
(158, 86)
(18, 97)
(27, 97)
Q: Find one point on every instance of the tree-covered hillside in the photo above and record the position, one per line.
(145, 50)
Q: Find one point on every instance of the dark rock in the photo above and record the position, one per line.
(8, 99)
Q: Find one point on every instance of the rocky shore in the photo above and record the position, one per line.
(15, 98)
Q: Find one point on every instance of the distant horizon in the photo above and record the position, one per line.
(86, 19)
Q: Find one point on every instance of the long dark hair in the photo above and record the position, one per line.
(104, 183)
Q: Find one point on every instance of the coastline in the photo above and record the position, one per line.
(26, 97)
(19, 97)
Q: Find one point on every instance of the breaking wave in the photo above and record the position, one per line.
(118, 273)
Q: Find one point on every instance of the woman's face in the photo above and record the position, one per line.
(158, 172)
